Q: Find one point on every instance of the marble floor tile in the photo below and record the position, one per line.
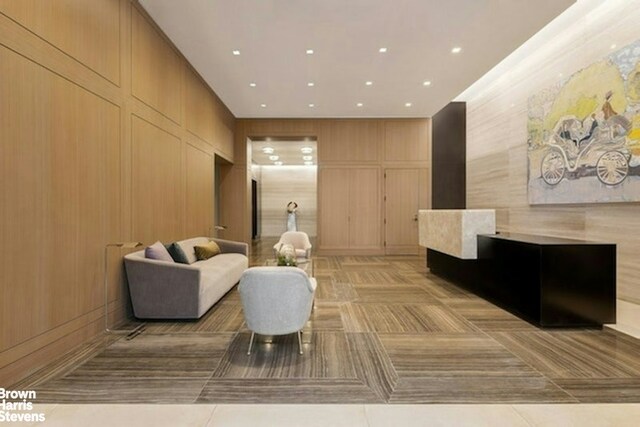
(486, 316)
(603, 390)
(574, 354)
(443, 416)
(459, 354)
(179, 355)
(292, 390)
(289, 416)
(600, 415)
(391, 294)
(327, 356)
(372, 364)
(402, 318)
(130, 415)
(325, 316)
(482, 389)
(223, 317)
(107, 389)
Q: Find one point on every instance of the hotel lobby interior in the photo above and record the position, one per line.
(320, 213)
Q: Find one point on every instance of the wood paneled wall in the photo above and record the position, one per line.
(497, 143)
(342, 143)
(106, 134)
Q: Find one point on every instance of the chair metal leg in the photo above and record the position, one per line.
(253, 334)
(299, 342)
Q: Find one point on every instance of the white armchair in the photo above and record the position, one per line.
(276, 300)
(299, 240)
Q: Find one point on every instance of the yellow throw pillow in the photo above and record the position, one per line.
(207, 251)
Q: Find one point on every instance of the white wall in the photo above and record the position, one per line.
(497, 133)
(278, 186)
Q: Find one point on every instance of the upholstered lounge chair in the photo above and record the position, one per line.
(276, 301)
(299, 240)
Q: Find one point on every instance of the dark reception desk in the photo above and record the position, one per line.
(549, 281)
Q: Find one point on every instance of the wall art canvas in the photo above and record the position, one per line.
(584, 134)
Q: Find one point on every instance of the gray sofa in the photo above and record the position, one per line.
(166, 290)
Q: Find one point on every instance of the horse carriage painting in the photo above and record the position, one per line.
(584, 134)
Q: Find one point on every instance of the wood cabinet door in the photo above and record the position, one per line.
(364, 211)
(334, 208)
(402, 199)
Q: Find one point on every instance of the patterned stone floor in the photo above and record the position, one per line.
(384, 330)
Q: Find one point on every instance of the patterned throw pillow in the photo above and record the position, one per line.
(177, 253)
(207, 251)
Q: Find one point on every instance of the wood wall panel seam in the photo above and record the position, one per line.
(61, 50)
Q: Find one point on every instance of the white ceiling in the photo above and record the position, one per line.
(288, 152)
(273, 35)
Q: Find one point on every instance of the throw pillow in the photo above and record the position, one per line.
(177, 253)
(207, 251)
(158, 252)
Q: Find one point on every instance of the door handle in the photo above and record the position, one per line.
(415, 217)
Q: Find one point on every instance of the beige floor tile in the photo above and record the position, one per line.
(129, 415)
(583, 415)
(43, 408)
(288, 415)
(443, 415)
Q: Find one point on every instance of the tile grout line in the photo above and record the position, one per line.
(514, 409)
(208, 423)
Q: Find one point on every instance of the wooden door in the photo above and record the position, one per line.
(364, 210)
(333, 194)
(402, 200)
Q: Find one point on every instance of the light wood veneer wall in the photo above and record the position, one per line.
(368, 146)
(106, 134)
(497, 144)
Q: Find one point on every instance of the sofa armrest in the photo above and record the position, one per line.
(230, 246)
(163, 290)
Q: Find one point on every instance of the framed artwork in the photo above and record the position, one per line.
(584, 134)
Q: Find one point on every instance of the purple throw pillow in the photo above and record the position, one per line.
(158, 252)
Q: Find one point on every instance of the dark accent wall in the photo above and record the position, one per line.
(449, 141)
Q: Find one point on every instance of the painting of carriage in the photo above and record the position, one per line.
(584, 134)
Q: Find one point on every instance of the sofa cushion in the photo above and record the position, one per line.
(158, 252)
(176, 252)
(187, 247)
(207, 251)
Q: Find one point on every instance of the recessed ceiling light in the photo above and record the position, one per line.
(408, 104)
(311, 84)
(368, 82)
(252, 84)
(308, 163)
(267, 150)
(309, 51)
(277, 163)
(263, 105)
(307, 158)
(426, 83)
(306, 150)
(236, 52)
(312, 105)
(274, 158)
(382, 50)
(359, 104)
(456, 49)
